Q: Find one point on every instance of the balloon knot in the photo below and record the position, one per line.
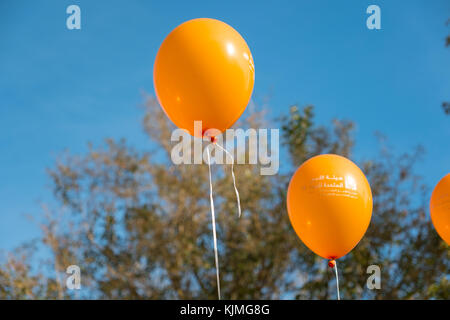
(212, 139)
(331, 263)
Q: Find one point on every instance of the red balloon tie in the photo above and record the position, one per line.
(332, 264)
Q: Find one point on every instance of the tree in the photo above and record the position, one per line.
(139, 227)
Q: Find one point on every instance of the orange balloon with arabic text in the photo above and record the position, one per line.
(329, 204)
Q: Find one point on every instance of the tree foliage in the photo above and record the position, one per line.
(139, 226)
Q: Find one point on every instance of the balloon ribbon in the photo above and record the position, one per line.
(234, 178)
(333, 264)
(213, 216)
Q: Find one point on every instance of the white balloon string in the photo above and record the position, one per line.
(234, 178)
(213, 224)
(337, 280)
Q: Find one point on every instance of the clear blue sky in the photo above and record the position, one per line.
(61, 88)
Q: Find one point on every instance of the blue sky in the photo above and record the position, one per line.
(61, 88)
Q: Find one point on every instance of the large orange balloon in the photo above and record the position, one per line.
(440, 208)
(204, 71)
(330, 205)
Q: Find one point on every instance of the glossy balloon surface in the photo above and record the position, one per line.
(330, 205)
(204, 71)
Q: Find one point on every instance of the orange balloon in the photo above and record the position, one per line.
(204, 71)
(329, 204)
(440, 208)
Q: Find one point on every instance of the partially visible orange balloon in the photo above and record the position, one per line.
(204, 71)
(330, 205)
(440, 208)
